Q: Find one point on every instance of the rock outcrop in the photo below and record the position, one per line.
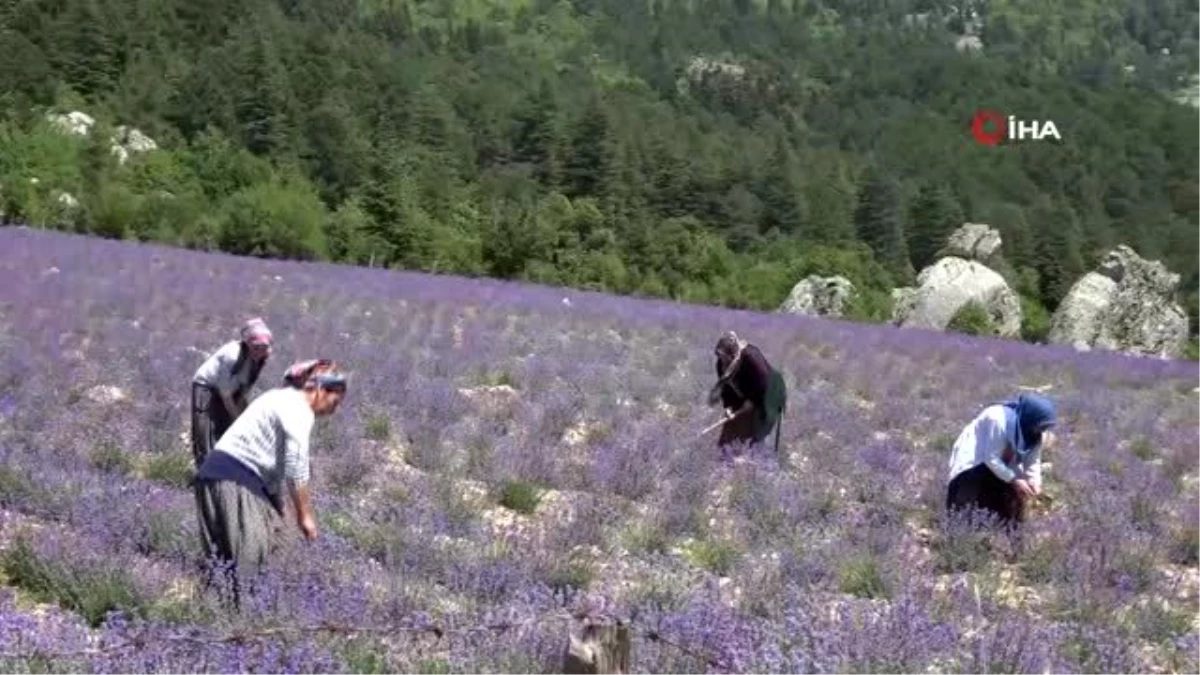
(66, 200)
(969, 44)
(962, 275)
(1190, 94)
(1127, 305)
(974, 241)
(106, 394)
(128, 141)
(946, 286)
(75, 123)
(819, 296)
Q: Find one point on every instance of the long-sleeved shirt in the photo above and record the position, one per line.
(986, 441)
(217, 370)
(750, 382)
(271, 439)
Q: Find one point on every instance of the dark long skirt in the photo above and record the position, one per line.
(237, 530)
(738, 430)
(980, 488)
(756, 426)
(210, 420)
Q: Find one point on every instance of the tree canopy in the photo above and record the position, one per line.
(704, 150)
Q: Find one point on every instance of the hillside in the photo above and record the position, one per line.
(504, 457)
(705, 150)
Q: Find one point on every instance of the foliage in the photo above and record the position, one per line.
(648, 148)
(1035, 320)
(520, 496)
(1192, 350)
(972, 318)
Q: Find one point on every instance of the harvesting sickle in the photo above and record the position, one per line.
(221, 386)
(996, 464)
(753, 393)
(239, 487)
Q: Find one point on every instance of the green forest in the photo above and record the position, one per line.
(712, 151)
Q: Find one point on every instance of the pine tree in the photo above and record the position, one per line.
(668, 185)
(781, 193)
(934, 215)
(539, 138)
(84, 50)
(591, 158)
(1057, 256)
(829, 195)
(1018, 244)
(264, 105)
(393, 20)
(880, 224)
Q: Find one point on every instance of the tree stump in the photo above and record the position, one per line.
(603, 646)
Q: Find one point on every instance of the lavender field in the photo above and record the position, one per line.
(505, 459)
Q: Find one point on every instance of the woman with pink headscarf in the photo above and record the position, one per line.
(221, 385)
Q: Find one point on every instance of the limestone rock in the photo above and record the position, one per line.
(491, 399)
(67, 200)
(819, 296)
(703, 71)
(75, 123)
(1190, 94)
(904, 302)
(701, 66)
(105, 394)
(1127, 305)
(969, 43)
(974, 241)
(946, 287)
(128, 141)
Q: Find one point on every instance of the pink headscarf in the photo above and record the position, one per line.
(255, 332)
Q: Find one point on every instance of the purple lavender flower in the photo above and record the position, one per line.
(830, 558)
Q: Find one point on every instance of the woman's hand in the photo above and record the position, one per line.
(308, 527)
(1024, 489)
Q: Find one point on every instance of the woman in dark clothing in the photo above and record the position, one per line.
(753, 393)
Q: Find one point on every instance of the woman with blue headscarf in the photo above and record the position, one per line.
(997, 460)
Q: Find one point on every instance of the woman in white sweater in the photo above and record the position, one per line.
(240, 486)
(997, 461)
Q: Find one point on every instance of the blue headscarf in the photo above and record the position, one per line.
(1028, 417)
(329, 381)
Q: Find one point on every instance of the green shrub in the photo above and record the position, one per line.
(862, 577)
(379, 427)
(110, 458)
(717, 557)
(520, 496)
(172, 468)
(91, 591)
(973, 319)
(1191, 351)
(1035, 320)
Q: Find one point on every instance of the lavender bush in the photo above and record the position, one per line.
(506, 460)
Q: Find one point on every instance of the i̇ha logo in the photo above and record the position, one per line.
(990, 128)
